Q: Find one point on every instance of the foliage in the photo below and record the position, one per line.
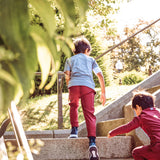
(152, 50)
(132, 54)
(102, 10)
(130, 78)
(53, 89)
(141, 50)
(26, 44)
(88, 29)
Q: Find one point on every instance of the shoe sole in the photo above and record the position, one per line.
(73, 136)
(93, 153)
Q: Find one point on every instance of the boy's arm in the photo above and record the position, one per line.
(67, 71)
(135, 123)
(67, 76)
(102, 84)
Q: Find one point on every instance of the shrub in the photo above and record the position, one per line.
(132, 78)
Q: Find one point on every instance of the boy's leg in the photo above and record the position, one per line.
(87, 100)
(147, 152)
(139, 152)
(74, 104)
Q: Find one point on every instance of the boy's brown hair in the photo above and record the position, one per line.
(143, 99)
(81, 44)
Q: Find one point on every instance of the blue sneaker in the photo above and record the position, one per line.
(93, 152)
(74, 132)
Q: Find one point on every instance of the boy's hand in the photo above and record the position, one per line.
(103, 98)
(67, 76)
(102, 84)
(109, 136)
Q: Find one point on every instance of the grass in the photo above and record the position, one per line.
(41, 113)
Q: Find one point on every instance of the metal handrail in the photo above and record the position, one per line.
(126, 39)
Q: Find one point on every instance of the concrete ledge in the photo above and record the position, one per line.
(31, 134)
(142, 136)
(153, 89)
(61, 133)
(157, 102)
(105, 126)
(72, 149)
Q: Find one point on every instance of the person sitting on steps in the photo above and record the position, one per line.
(148, 118)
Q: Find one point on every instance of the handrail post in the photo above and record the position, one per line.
(60, 79)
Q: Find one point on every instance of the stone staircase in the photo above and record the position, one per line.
(115, 109)
(58, 147)
(75, 149)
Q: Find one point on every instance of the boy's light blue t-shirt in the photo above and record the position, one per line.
(81, 67)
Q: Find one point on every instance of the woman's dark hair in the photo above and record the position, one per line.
(81, 44)
(143, 99)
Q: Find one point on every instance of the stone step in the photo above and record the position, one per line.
(105, 126)
(117, 159)
(60, 133)
(76, 149)
(31, 134)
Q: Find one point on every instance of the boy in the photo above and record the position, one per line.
(78, 73)
(148, 118)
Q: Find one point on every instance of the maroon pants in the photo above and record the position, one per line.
(150, 152)
(86, 95)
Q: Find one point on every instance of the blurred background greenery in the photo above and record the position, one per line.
(37, 37)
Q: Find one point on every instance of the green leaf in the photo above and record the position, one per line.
(65, 48)
(18, 87)
(26, 66)
(44, 56)
(52, 81)
(5, 98)
(7, 77)
(15, 35)
(68, 10)
(8, 91)
(47, 53)
(83, 6)
(47, 14)
(15, 26)
(72, 10)
(7, 54)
